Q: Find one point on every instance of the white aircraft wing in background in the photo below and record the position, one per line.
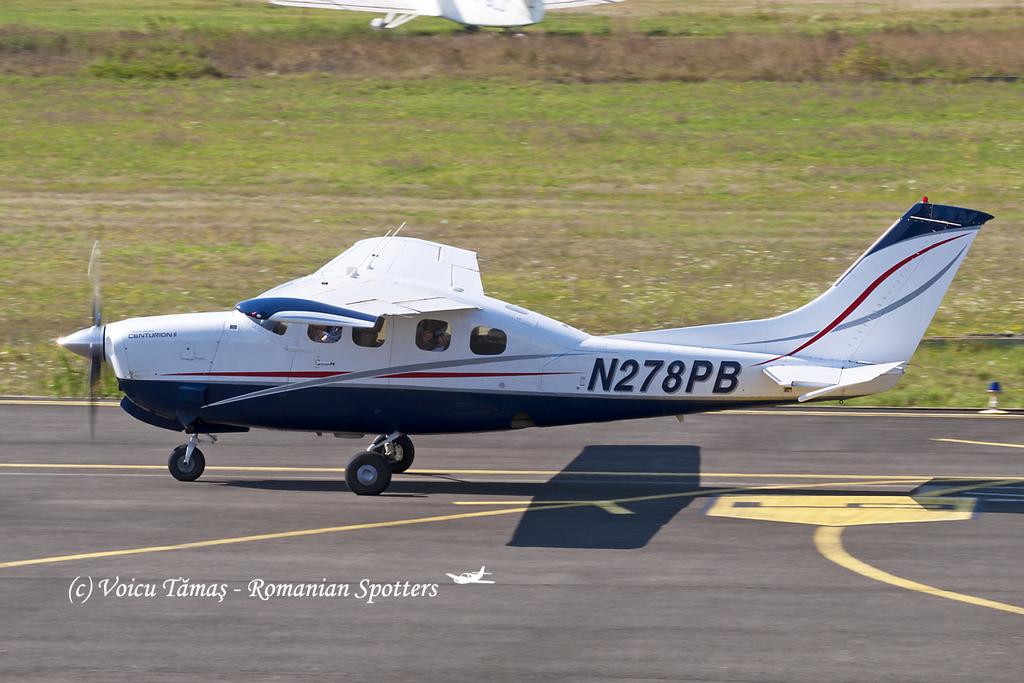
(550, 5)
(397, 12)
(496, 13)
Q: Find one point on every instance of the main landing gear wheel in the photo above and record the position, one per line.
(368, 474)
(399, 453)
(183, 471)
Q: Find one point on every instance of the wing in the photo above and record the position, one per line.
(402, 6)
(551, 5)
(390, 276)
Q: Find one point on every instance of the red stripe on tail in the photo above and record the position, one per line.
(860, 299)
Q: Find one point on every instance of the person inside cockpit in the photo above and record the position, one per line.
(325, 334)
(432, 335)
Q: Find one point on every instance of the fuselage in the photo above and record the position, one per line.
(206, 365)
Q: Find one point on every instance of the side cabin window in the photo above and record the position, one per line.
(371, 337)
(324, 334)
(272, 325)
(487, 341)
(433, 335)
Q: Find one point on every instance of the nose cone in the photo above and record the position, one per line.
(84, 341)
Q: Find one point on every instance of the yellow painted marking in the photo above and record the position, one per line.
(828, 541)
(83, 474)
(607, 505)
(551, 473)
(992, 483)
(840, 412)
(258, 537)
(703, 475)
(55, 402)
(380, 525)
(681, 494)
(89, 466)
(842, 510)
(613, 507)
(79, 466)
(876, 413)
(983, 443)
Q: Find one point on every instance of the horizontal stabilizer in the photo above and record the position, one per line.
(825, 379)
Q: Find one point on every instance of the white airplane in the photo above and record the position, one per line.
(494, 13)
(470, 577)
(395, 337)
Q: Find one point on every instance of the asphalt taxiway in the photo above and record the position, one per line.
(744, 546)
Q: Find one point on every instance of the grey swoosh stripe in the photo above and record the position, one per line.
(335, 379)
(871, 316)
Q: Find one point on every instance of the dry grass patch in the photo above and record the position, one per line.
(176, 53)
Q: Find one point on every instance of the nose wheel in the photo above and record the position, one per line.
(187, 461)
(186, 469)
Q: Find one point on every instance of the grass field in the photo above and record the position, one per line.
(638, 40)
(693, 17)
(614, 206)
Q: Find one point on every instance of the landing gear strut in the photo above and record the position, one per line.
(187, 462)
(369, 473)
(397, 449)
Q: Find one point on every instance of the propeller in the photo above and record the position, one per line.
(96, 352)
(89, 342)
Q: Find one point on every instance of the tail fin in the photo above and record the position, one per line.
(877, 311)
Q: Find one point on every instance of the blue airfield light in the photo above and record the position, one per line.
(994, 389)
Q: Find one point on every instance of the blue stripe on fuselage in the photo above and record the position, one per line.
(414, 411)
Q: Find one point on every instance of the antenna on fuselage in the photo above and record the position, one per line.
(383, 245)
(377, 251)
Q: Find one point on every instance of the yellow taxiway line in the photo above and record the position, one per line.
(982, 443)
(256, 537)
(392, 523)
(962, 489)
(615, 505)
(847, 412)
(528, 473)
(828, 541)
(55, 402)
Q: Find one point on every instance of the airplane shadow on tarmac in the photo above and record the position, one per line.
(646, 476)
(635, 491)
(1005, 496)
(653, 474)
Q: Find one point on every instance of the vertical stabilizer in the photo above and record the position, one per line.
(876, 312)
